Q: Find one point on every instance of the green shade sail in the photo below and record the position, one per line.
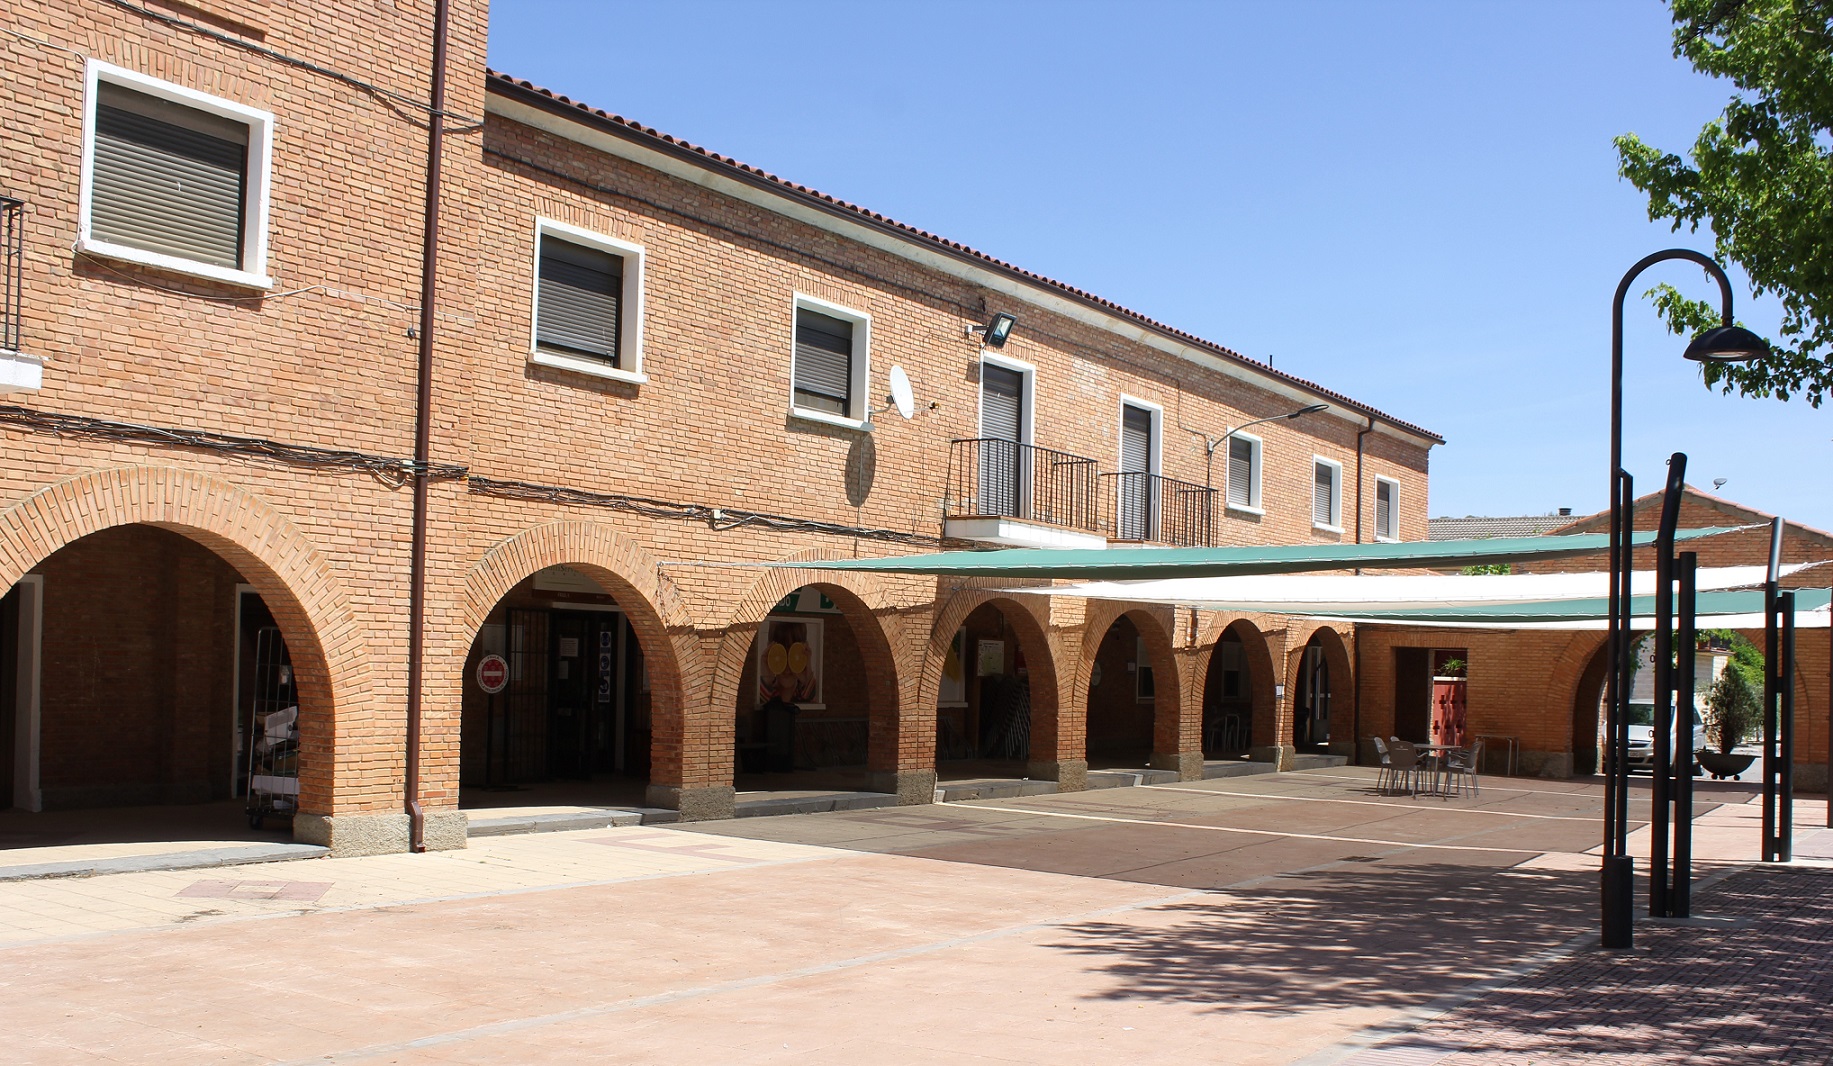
(1506, 615)
(1139, 564)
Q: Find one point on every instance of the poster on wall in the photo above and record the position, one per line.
(954, 672)
(991, 658)
(789, 661)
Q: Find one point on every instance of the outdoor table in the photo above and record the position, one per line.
(1437, 752)
(1511, 744)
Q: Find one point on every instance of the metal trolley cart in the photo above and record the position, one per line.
(273, 733)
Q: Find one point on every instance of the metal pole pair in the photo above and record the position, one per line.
(1778, 709)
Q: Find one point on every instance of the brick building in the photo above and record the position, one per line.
(1544, 687)
(647, 362)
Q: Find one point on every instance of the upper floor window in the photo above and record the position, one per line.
(174, 178)
(828, 371)
(1244, 472)
(588, 302)
(1327, 495)
(1387, 509)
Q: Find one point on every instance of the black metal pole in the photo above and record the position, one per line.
(1618, 874)
(1680, 894)
(1660, 793)
(1771, 663)
(1785, 801)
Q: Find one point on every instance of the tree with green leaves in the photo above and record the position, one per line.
(1760, 177)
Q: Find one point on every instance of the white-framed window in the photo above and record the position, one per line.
(1387, 509)
(1327, 494)
(174, 178)
(588, 303)
(830, 362)
(1243, 473)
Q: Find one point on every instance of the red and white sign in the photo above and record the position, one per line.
(492, 674)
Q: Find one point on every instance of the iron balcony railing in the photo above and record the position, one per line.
(12, 266)
(1164, 510)
(989, 477)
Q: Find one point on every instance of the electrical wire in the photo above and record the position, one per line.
(81, 426)
(718, 518)
(301, 64)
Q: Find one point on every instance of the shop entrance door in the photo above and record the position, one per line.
(582, 720)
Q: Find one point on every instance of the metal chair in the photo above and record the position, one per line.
(1460, 765)
(1385, 778)
(1405, 759)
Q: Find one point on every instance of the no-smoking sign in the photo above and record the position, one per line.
(492, 674)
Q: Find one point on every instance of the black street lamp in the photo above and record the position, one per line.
(1211, 445)
(1726, 343)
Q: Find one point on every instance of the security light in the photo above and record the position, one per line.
(1727, 344)
(997, 329)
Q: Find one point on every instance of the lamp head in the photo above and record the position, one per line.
(1311, 410)
(1727, 344)
(997, 329)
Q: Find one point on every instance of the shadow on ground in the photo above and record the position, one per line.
(1381, 936)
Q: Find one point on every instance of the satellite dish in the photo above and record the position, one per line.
(901, 396)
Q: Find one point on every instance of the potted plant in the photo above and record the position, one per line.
(1733, 713)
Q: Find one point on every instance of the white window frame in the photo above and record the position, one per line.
(1027, 407)
(1253, 495)
(1158, 424)
(254, 194)
(860, 412)
(1393, 511)
(1335, 525)
(630, 331)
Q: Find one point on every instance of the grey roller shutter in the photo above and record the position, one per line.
(1133, 506)
(1240, 472)
(168, 178)
(578, 306)
(1135, 441)
(1002, 401)
(824, 362)
(1002, 460)
(1323, 489)
(1384, 508)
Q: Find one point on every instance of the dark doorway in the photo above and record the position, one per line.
(9, 692)
(1311, 715)
(1412, 694)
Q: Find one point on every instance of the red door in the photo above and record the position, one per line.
(1448, 722)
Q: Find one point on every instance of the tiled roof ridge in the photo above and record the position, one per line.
(956, 247)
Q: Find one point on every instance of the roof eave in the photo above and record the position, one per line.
(572, 111)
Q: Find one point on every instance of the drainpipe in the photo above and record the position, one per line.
(423, 431)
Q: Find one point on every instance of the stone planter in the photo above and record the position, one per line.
(1721, 766)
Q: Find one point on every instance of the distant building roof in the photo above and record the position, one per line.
(1472, 526)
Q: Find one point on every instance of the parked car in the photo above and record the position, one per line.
(1642, 738)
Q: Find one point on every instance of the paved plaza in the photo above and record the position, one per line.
(1292, 918)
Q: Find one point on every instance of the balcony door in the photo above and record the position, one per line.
(1003, 457)
(1133, 498)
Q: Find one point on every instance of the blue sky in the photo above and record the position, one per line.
(1414, 203)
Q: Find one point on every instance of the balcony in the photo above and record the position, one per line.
(1150, 508)
(18, 371)
(1022, 496)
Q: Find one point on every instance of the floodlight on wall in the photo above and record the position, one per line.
(997, 329)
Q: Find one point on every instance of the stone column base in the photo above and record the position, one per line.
(1810, 777)
(699, 803)
(379, 834)
(1555, 764)
(1188, 764)
(1071, 775)
(1280, 755)
(909, 786)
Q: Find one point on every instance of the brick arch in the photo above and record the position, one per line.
(1031, 623)
(1262, 675)
(864, 601)
(1342, 684)
(1155, 624)
(323, 639)
(671, 652)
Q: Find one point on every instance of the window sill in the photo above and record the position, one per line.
(1379, 539)
(826, 419)
(1239, 509)
(20, 372)
(1319, 527)
(247, 279)
(589, 367)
